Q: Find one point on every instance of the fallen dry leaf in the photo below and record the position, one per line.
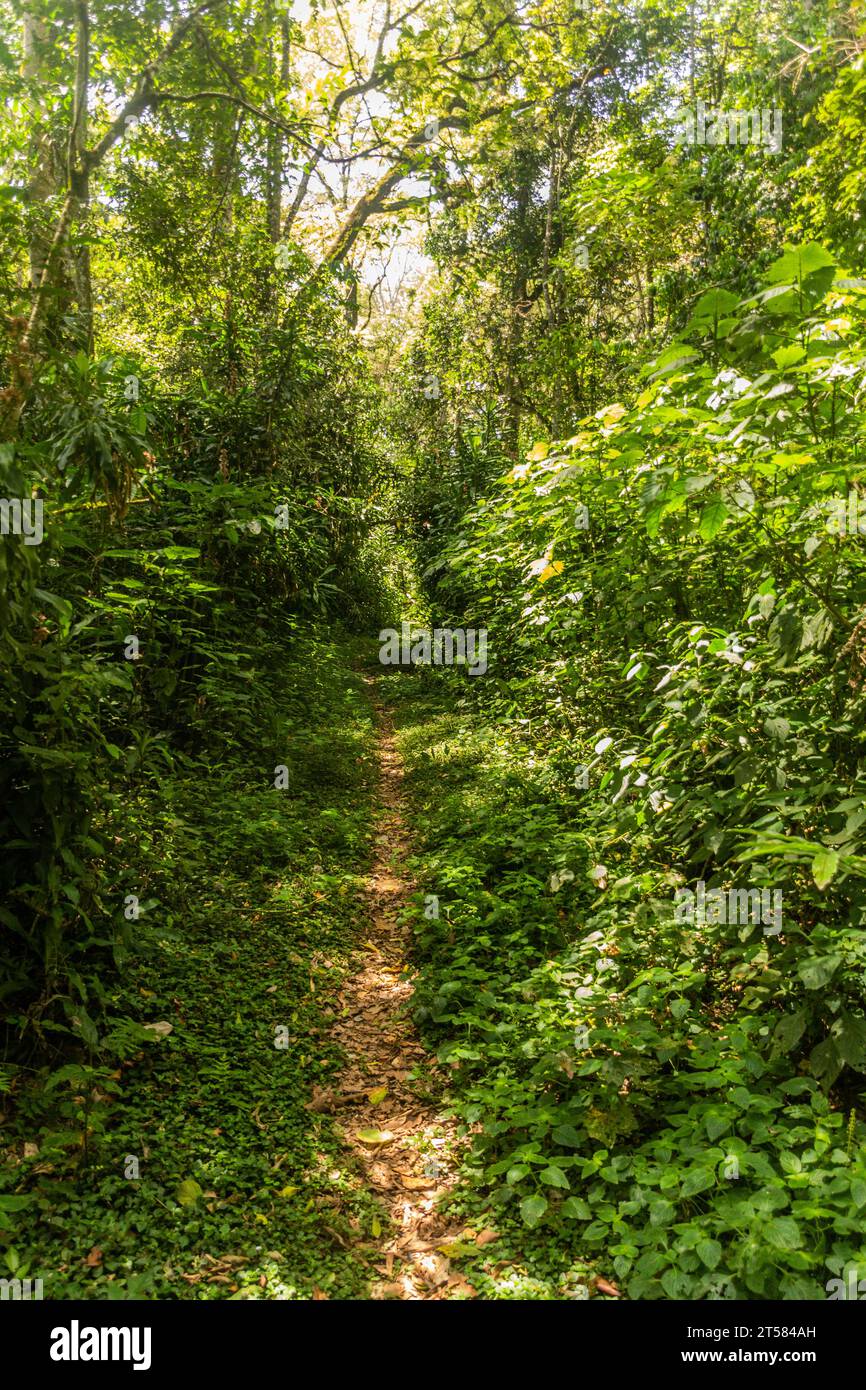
(94, 1259)
(602, 1286)
(321, 1100)
(457, 1284)
(382, 1290)
(435, 1269)
(486, 1236)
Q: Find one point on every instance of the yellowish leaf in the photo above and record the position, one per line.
(555, 567)
(375, 1136)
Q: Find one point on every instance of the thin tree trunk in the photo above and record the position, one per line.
(277, 144)
(47, 175)
(77, 175)
(515, 330)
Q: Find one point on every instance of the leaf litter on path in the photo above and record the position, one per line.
(391, 1129)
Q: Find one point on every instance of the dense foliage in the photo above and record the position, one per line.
(324, 317)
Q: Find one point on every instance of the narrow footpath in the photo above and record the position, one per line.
(390, 1085)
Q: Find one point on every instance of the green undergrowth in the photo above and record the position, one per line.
(633, 1115)
(181, 1136)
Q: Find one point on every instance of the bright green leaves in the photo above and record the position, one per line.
(666, 494)
(825, 866)
(533, 1208)
(783, 1233)
(374, 1137)
(553, 1176)
(671, 361)
(797, 263)
(712, 519)
(788, 356)
(662, 1212)
(698, 1180)
(710, 1252)
(575, 1209)
(713, 314)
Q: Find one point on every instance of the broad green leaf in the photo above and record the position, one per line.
(797, 263)
(554, 1177)
(787, 356)
(824, 867)
(816, 971)
(714, 304)
(566, 1135)
(697, 1180)
(532, 1209)
(710, 1251)
(783, 1233)
(15, 1202)
(576, 1209)
(713, 518)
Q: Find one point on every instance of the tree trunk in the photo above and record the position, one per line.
(276, 143)
(54, 171)
(47, 176)
(516, 326)
(78, 179)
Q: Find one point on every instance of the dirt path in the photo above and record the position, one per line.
(390, 1121)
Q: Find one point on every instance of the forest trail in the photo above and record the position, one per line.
(406, 1149)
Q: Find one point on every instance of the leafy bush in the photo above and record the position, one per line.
(674, 659)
